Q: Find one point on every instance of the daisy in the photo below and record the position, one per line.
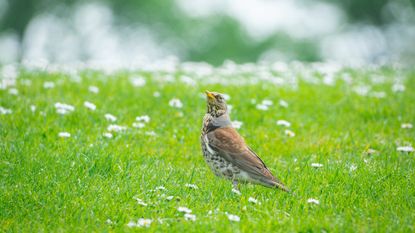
(267, 102)
(13, 91)
(192, 186)
(63, 108)
(191, 217)
(233, 218)
(352, 167)
(144, 118)
(184, 210)
(107, 135)
(283, 103)
(64, 135)
(262, 107)
(160, 188)
(406, 126)
(283, 123)
(313, 201)
(237, 124)
(110, 117)
(32, 108)
(175, 103)
(226, 97)
(93, 89)
(289, 133)
(405, 149)
(140, 202)
(138, 125)
(48, 85)
(253, 200)
(4, 111)
(116, 128)
(156, 94)
(237, 192)
(142, 222)
(138, 81)
(398, 87)
(90, 105)
(317, 165)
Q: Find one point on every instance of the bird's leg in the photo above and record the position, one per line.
(235, 185)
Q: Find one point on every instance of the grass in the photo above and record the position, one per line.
(88, 182)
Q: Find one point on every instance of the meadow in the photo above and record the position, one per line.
(91, 150)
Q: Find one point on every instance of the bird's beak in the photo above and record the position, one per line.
(209, 95)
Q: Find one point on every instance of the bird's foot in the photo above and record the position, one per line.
(235, 188)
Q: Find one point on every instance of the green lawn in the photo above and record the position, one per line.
(88, 182)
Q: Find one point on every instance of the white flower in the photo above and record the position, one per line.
(253, 200)
(262, 107)
(90, 105)
(313, 201)
(151, 133)
(187, 80)
(48, 85)
(110, 117)
(64, 134)
(13, 91)
(406, 126)
(370, 151)
(398, 87)
(237, 192)
(175, 103)
(191, 217)
(93, 89)
(138, 81)
(352, 167)
(362, 90)
(289, 133)
(142, 222)
(226, 96)
(379, 94)
(230, 107)
(116, 128)
(107, 135)
(109, 221)
(267, 102)
(144, 118)
(160, 188)
(405, 149)
(140, 202)
(138, 125)
(317, 165)
(156, 94)
(132, 224)
(63, 108)
(233, 218)
(192, 186)
(169, 198)
(237, 124)
(184, 210)
(4, 111)
(284, 123)
(32, 108)
(283, 103)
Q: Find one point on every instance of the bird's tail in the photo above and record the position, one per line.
(281, 186)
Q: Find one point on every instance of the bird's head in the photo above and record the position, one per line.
(216, 104)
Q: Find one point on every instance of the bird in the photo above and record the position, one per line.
(226, 152)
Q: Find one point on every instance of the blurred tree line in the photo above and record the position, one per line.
(230, 40)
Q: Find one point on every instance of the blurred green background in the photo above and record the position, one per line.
(347, 31)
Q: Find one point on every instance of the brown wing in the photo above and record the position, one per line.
(231, 146)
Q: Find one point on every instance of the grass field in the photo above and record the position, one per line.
(348, 125)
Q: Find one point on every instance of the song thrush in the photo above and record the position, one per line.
(225, 150)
